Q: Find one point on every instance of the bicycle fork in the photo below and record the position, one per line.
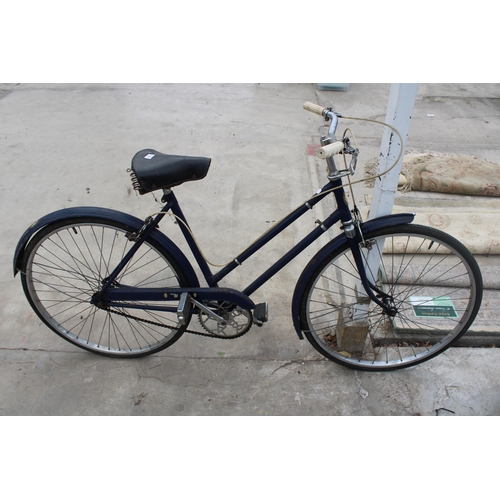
(369, 290)
(352, 230)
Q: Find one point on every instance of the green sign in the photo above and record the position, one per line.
(433, 307)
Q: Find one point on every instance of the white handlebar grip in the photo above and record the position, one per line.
(330, 150)
(314, 108)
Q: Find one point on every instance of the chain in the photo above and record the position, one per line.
(149, 322)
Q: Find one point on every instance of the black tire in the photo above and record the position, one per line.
(435, 284)
(66, 262)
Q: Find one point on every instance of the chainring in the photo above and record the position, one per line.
(237, 321)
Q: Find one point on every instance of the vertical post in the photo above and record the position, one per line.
(399, 111)
(353, 330)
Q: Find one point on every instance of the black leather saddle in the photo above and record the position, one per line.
(152, 170)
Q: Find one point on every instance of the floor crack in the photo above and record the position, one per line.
(359, 388)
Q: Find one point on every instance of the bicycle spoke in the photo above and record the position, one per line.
(431, 288)
(70, 264)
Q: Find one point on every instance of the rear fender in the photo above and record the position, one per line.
(103, 213)
(332, 246)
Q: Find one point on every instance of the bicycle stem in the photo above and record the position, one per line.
(329, 139)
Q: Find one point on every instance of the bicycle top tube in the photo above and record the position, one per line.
(342, 213)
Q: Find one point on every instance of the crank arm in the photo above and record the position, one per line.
(206, 310)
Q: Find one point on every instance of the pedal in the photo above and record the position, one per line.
(183, 308)
(260, 314)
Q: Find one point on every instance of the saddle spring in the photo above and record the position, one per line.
(135, 182)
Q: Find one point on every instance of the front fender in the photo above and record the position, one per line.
(332, 246)
(103, 213)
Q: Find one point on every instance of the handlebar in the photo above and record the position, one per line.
(314, 108)
(320, 110)
(330, 145)
(328, 114)
(330, 150)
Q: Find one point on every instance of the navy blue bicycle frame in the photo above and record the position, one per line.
(113, 295)
(341, 213)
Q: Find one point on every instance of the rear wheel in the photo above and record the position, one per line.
(434, 284)
(68, 261)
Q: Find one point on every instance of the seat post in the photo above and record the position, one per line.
(166, 193)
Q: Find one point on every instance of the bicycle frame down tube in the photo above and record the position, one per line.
(296, 250)
(342, 213)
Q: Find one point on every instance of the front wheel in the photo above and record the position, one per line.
(67, 262)
(432, 280)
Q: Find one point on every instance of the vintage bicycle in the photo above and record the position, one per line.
(382, 295)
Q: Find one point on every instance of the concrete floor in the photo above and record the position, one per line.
(70, 145)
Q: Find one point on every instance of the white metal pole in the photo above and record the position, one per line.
(399, 111)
